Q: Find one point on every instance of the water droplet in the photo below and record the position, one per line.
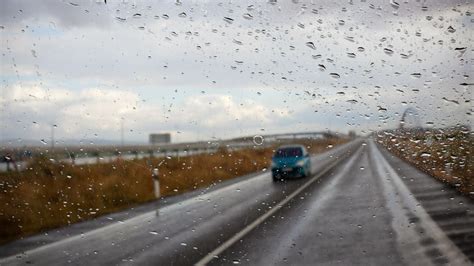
(351, 55)
(334, 75)
(228, 20)
(258, 140)
(388, 51)
(153, 232)
(311, 45)
(405, 56)
(360, 49)
(322, 67)
(425, 154)
(451, 29)
(247, 16)
(394, 4)
(182, 15)
(237, 42)
(183, 244)
(44, 142)
(461, 50)
(349, 38)
(235, 262)
(415, 75)
(451, 101)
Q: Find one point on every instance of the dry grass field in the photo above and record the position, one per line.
(50, 194)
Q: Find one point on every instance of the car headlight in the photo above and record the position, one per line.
(300, 163)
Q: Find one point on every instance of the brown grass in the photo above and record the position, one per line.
(49, 195)
(445, 155)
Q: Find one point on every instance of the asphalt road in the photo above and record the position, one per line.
(357, 209)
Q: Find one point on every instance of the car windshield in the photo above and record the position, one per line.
(288, 153)
(229, 132)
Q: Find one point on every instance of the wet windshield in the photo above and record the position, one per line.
(151, 132)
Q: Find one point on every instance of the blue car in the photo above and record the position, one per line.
(290, 161)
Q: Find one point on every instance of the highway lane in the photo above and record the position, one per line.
(358, 212)
(181, 233)
(362, 216)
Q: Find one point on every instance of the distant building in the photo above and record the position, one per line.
(160, 138)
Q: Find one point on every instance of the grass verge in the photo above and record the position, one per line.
(447, 155)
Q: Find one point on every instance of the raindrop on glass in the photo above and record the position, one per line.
(228, 20)
(247, 16)
(334, 75)
(258, 140)
(388, 51)
(311, 45)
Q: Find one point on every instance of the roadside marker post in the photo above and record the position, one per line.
(156, 182)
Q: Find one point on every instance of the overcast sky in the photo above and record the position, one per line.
(212, 69)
